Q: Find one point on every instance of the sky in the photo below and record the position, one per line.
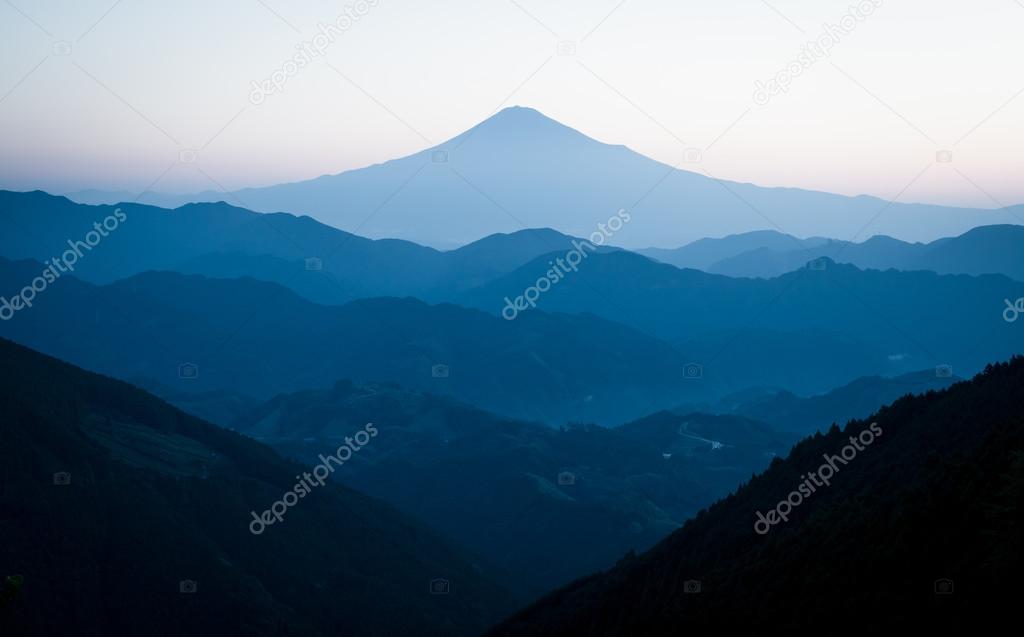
(920, 99)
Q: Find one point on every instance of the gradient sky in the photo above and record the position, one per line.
(146, 79)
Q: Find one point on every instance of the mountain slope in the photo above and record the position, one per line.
(222, 241)
(983, 250)
(808, 331)
(935, 496)
(492, 483)
(704, 253)
(519, 168)
(155, 497)
(39, 226)
(259, 339)
(806, 415)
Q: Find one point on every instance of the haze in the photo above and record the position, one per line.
(145, 80)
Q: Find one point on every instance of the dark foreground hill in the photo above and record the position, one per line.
(124, 516)
(920, 532)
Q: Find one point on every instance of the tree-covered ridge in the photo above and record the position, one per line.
(110, 499)
(936, 497)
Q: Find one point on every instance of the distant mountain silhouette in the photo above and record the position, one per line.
(222, 241)
(808, 331)
(705, 253)
(259, 339)
(481, 261)
(520, 169)
(124, 516)
(785, 411)
(983, 250)
(919, 532)
(493, 484)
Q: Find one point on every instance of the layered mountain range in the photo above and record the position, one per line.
(921, 529)
(565, 420)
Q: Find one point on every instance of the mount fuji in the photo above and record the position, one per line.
(520, 169)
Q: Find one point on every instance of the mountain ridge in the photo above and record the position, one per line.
(921, 526)
(493, 483)
(222, 326)
(126, 516)
(572, 183)
(988, 249)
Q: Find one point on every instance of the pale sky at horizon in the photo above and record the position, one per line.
(145, 80)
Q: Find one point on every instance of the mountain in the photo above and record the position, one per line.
(705, 253)
(807, 331)
(498, 486)
(922, 526)
(983, 250)
(978, 251)
(259, 339)
(218, 406)
(320, 263)
(681, 433)
(40, 226)
(318, 286)
(786, 411)
(476, 263)
(124, 516)
(94, 197)
(520, 169)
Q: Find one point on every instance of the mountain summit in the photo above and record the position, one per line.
(520, 125)
(521, 169)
